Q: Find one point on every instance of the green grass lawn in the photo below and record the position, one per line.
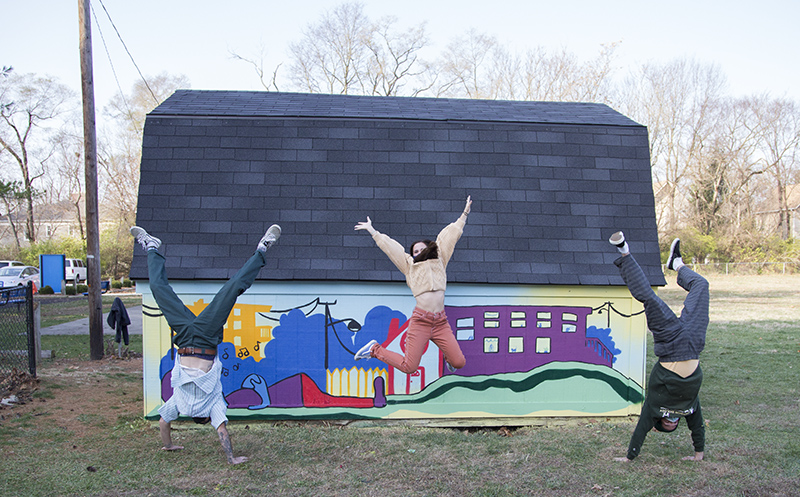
(77, 346)
(750, 398)
(59, 309)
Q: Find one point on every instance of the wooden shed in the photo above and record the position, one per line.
(541, 312)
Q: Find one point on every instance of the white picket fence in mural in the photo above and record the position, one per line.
(354, 382)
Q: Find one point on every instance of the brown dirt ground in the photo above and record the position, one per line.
(113, 385)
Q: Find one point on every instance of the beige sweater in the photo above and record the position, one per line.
(425, 276)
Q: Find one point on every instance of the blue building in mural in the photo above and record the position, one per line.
(530, 284)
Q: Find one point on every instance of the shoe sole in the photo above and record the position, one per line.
(138, 233)
(671, 257)
(364, 352)
(275, 231)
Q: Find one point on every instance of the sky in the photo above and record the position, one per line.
(755, 44)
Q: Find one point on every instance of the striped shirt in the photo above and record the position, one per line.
(196, 396)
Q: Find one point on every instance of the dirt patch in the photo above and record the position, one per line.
(81, 396)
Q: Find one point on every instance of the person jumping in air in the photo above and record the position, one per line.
(674, 384)
(196, 382)
(424, 267)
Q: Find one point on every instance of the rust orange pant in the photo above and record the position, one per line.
(424, 326)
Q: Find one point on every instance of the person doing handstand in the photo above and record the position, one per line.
(674, 385)
(196, 382)
(425, 271)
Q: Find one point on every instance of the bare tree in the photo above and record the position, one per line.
(781, 151)
(465, 68)
(119, 153)
(678, 103)
(347, 53)
(393, 58)
(66, 180)
(13, 201)
(478, 66)
(722, 185)
(34, 107)
(258, 66)
(328, 58)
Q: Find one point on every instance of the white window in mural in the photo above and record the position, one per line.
(465, 329)
(542, 345)
(491, 345)
(569, 327)
(515, 345)
(543, 319)
(518, 319)
(491, 319)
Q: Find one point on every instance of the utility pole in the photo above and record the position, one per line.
(90, 155)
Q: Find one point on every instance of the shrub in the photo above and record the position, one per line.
(72, 248)
(116, 284)
(46, 290)
(70, 290)
(83, 288)
(127, 283)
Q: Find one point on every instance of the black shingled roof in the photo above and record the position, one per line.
(550, 182)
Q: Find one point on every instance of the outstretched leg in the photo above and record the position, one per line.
(694, 316)
(216, 313)
(660, 318)
(417, 336)
(178, 316)
(213, 317)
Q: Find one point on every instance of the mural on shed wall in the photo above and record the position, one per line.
(527, 355)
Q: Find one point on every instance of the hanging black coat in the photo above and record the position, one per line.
(119, 320)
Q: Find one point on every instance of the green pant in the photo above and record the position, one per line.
(204, 330)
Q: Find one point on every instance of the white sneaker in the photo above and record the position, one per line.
(617, 239)
(269, 238)
(146, 240)
(365, 351)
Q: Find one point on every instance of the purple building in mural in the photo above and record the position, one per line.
(512, 339)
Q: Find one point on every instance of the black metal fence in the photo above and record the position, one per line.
(17, 346)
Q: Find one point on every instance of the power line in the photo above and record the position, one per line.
(111, 63)
(128, 52)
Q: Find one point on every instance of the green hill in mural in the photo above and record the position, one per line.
(550, 389)
(555, 389)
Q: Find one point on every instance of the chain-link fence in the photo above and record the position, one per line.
(743, 268)
(17, 349)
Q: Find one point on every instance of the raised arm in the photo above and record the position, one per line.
(467, 208)
(165, 430)
(396, 253)
(225, 440)
(451, 233)
(643, 427)
(366, 225)
(698, 429)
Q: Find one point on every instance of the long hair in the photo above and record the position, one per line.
(431, 251)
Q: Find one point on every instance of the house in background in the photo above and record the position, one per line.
(770, 215)
(536, 302)
(62, 219)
